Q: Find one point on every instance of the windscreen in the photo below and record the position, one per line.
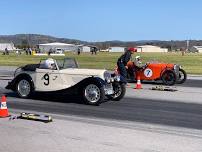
(67, 63)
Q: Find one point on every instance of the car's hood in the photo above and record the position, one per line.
(84, 72)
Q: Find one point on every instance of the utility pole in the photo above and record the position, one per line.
(187, 46)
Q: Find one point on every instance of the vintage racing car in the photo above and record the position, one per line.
(93, 85)
(168, 73)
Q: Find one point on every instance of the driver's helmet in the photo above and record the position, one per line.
(49, 63)
(138, 58)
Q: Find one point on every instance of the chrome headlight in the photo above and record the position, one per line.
(176, 67)
(110, 78)
(107, 76)
(117, 78)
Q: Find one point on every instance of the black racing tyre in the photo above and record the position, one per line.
(24, 88)
(168, 77)
(182, 76)
(119, 91)
(93, 93)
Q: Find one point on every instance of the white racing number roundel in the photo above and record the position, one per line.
(148, 73)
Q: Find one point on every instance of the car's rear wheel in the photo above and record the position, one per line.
(93, 94)
(182, 76)
(24, 88)
(168, 77)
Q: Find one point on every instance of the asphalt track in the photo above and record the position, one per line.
(142, 108)
(150, 111)
(145, 120)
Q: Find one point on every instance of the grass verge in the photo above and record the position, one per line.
(192, 62)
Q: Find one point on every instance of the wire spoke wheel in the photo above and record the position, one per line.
(23, 88)
(182, 76)
(117, 91)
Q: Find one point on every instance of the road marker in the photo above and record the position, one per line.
(32, 116)
(164, 88)
(36, 117)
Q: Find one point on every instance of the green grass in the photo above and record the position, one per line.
(192, 63)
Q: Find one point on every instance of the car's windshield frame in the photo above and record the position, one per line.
(66, 63)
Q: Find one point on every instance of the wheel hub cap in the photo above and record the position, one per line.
(92, 93)
(24, 88)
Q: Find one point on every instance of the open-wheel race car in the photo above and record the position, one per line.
(168, 73)
(65, 77)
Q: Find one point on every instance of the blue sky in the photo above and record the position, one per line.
(101, 20)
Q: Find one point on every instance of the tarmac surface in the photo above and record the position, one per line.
(145, 120)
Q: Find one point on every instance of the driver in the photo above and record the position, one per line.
(138, 61)
(48, 64)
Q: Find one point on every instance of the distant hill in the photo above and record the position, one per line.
(34, 39)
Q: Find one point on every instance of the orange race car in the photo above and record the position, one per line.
(168, 73)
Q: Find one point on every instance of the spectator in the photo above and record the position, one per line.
(50, 51)
(94, 50)
(79, 51)
(30, 51)
(6, 51)
(26, 50)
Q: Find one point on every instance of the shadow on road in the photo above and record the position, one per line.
(177, 114)
(51, 97)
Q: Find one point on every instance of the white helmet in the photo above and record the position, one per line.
(49, 63)
(137, 58)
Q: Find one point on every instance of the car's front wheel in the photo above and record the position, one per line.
(24, 88)
(119, 91)
(93, 94)
(182, 76)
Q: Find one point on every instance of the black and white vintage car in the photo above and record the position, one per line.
(93, 85)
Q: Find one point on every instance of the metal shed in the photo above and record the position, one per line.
(9, 46)
(57, 45)
(151, 48)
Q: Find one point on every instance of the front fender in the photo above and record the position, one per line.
(97, 80)
(11, 85)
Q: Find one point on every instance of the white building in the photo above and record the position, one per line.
(86, 49)
(55, 46)
(116, 49)
(196, 49)
(151, 48)
(9, 46)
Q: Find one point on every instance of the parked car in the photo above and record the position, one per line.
(167, 72)
(59, 51)
(93, 85)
